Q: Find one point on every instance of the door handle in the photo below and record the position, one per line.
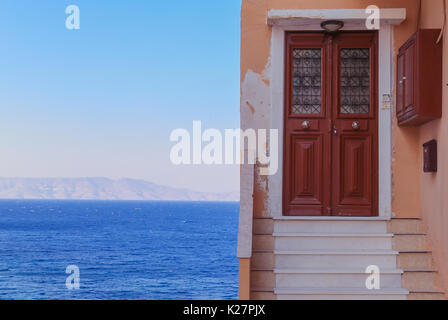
(335, 130)
(355, 125)
(306, 125)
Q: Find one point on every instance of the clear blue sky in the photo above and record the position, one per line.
(102, 100)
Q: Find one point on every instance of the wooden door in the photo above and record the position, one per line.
(355, 140)
(330, 138)
(307, 124)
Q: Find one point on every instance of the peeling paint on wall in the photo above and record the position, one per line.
(255, 94)
(251, 107)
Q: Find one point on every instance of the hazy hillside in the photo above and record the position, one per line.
(100, 189)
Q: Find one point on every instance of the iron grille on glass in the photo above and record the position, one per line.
(355, 81)
(306, 92)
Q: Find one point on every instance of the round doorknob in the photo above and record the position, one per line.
(306, 124)
(355, 125)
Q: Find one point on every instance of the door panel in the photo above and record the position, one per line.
(355, 159)
(306, 188)
(330, 138)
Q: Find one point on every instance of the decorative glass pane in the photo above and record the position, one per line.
(306, 89)
(355, 81)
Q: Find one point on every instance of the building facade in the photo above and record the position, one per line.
(356, 193)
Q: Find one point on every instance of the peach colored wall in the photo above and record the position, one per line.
(433, 186)
(414, 194)
(244, 279)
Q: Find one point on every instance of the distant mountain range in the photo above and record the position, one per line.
(101, 189)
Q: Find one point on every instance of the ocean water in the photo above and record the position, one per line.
(123, 249)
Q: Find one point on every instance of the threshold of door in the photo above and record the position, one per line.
(331, 218)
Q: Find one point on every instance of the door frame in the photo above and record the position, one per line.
(355, 19)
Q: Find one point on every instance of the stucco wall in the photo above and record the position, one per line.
(434, 186)
(414, 194)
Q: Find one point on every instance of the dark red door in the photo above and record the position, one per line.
(331, 145)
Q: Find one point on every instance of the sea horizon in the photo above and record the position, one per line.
(103, 188)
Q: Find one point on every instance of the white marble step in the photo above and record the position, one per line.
(331, 218)
(340, 294)
(317, 241)
(335, 259)
(334, 278)
(337, 271)
(329, 225)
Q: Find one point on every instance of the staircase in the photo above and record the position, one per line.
(415, 259)
(326, 258)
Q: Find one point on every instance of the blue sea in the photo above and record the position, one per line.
(123, 249)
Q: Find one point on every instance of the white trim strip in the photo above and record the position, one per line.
(312, 18)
